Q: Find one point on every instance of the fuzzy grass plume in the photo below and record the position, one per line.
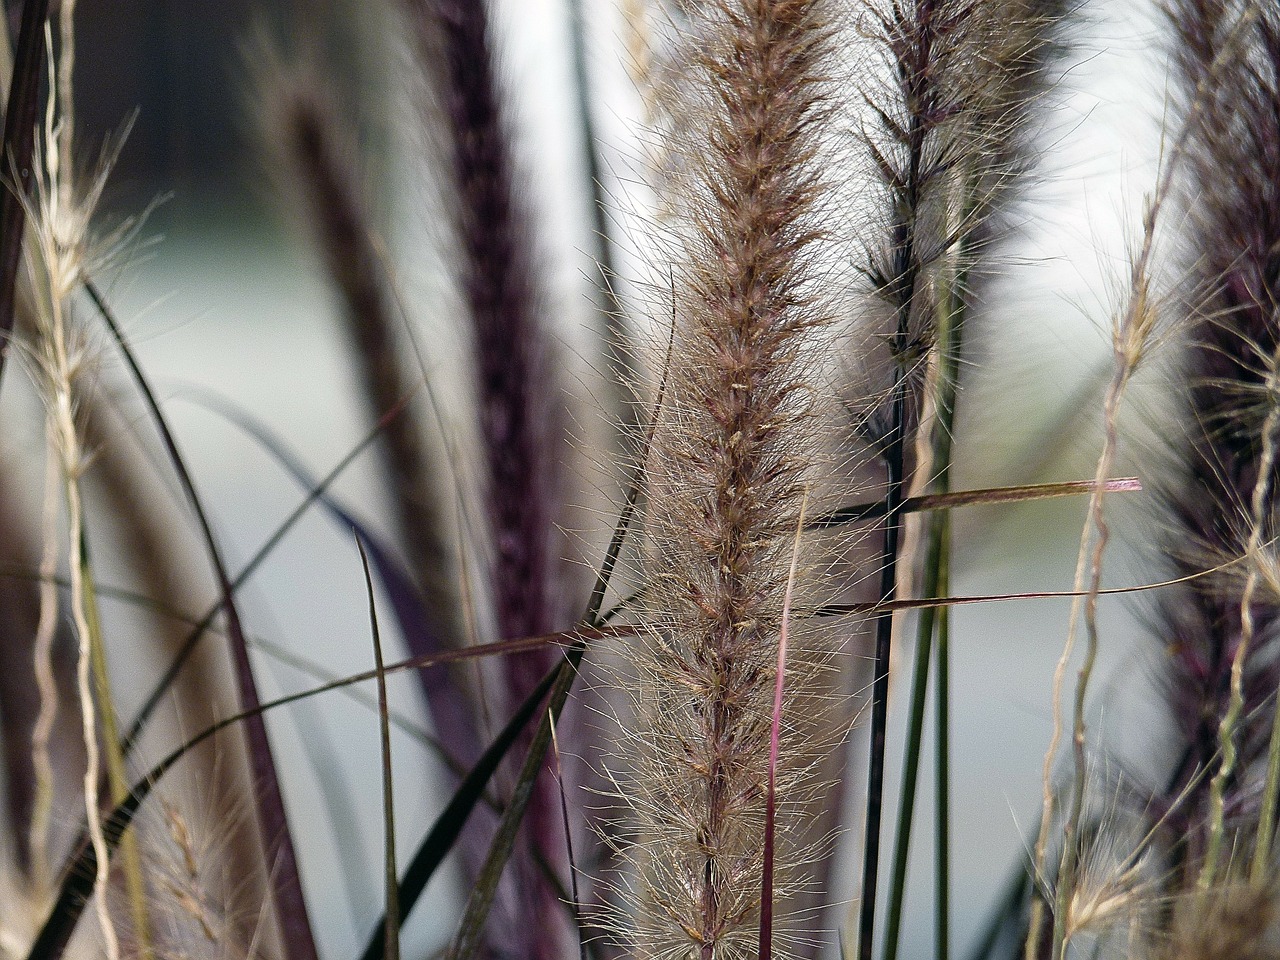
(732, 456)
(1221, 630)
(731, 677)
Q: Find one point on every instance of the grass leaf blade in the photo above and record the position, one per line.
(273, 821)
(391, 924)
(443, 834)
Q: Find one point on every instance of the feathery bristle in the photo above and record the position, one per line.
(1228, 59)
(1234, 919)
(733, 453)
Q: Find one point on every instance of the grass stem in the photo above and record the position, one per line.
(950, 314)
(1261, 508)
(117, 777)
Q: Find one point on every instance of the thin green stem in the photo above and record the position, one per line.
(942, 780)
(951, 338)
(880, 685)
(950, 327)
(391, 913)
(1261, 867)
(905, 273)
(911, 761)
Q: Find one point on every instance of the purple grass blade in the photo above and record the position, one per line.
(451, 711)
(77, 881)
(280, 858)
(775, 736)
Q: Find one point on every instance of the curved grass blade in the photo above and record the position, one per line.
(451, 710)
(313, 670)
(444, 832)
(77, 881)
(278, 850)
(476, 913)
(391, 926)
(259, 557)
(469, 936)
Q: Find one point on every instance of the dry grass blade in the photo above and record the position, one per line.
(965, 498)
(775, 738)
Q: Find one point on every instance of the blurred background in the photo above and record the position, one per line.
(227, 295)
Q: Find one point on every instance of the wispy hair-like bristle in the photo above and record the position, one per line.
(733, 453)
(1222, 504)
(1233, 919)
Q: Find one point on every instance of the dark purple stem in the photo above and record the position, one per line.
(519, 424)
(18, 144)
